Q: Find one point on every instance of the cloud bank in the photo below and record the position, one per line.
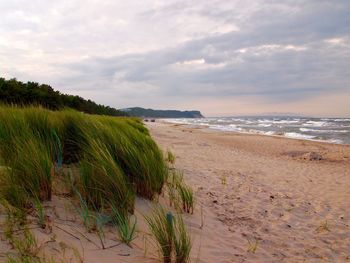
(221, 57)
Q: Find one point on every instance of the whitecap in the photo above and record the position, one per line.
(264, 125)
(296, 135)
(343, 119)
(322, 131)
(230, 127)
(316, 123)
(337, 141)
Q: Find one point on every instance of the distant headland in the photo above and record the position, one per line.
(150, 113)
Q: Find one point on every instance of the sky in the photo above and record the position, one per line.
(224, 58)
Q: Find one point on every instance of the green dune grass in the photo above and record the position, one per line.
(171, 235)
(117, 158)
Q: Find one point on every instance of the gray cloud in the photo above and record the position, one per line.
(151, 54)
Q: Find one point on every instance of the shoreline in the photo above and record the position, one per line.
(206, 127)
(264, 198)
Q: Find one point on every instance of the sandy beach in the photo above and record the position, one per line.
(175, 131)
(257, 199)
(264, 199)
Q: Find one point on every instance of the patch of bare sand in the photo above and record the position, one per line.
(287, 198)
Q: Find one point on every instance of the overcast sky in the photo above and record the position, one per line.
(221, 57)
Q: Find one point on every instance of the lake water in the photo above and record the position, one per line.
(333, 130)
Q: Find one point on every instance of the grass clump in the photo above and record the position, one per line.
(40, 212)
(170, 157)
(187, 199)
(161, 226)
(102, 181)
(175, 178)
(180, 194)
(86, 214)
(126, 229)
(223, 179)
(15, 219)
(182, 242)
(171, 235)
(116, 157)
(253, 245)
(323, 227)
(26, 246)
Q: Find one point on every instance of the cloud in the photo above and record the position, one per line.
(148, 53)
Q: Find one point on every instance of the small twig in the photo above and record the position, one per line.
(124, 255)
(109, 247)
(67, 232)
(88, 239)
(113, 246)
(66, 220)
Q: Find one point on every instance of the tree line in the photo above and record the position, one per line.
(16, 92)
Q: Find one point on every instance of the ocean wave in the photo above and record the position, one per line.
(264, 125)
(267, 132)
(296, 135)
(239, 119)
(316, 124)
(344, 119)
(265, 121)
(325, 129)
(286, 121)
(230, 127)
(261, 132)
(224, 120)
(337, 141)
(322, 131)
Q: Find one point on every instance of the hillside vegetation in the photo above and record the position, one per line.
(32, 93)
(150, 113)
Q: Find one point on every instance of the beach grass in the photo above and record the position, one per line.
(187, 198)
(174, 179)
(114, 160)
(182, 241)
(126, 229)
(26, 245)
(253, 245)
(180, 194)
(323, 227)
(117, 158)
(170, 157)
(40, 213)
(171, 235)
(161, 226)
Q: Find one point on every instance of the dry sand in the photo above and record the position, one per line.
(270, 190)
(268, 194)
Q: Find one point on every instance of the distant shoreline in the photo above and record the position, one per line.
(207, 128)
